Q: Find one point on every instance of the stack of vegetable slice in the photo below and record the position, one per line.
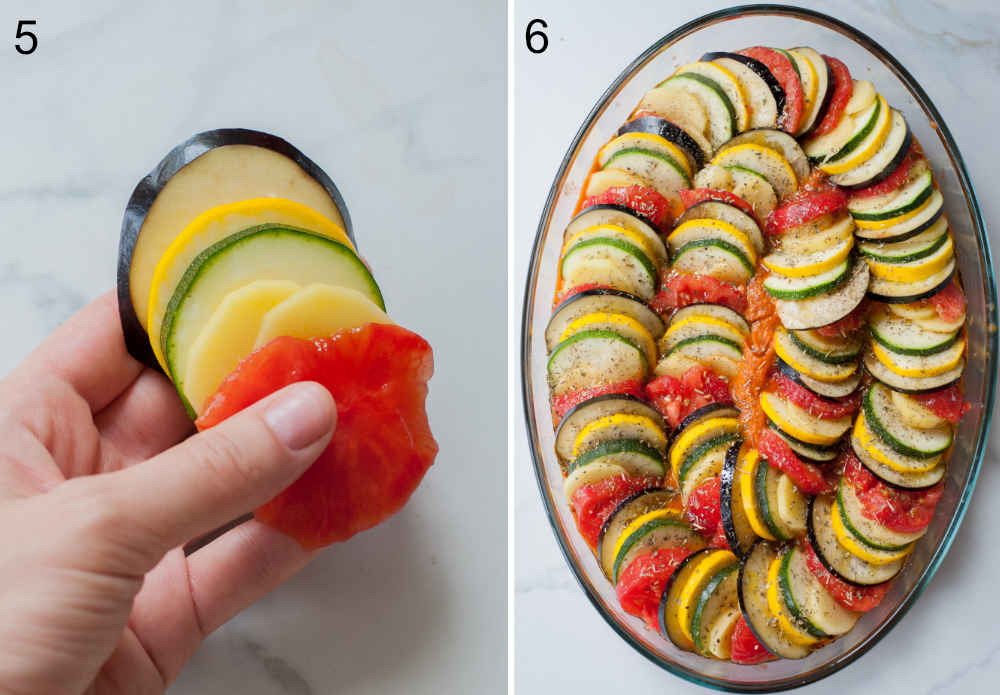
(781, 270)
(254, 293)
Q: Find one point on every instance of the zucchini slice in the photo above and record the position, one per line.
(829, 350)
(661, 528)
(816, 108)
(718, 598)
(747, 467)
(798, 288)
(890, 208)
(752, 587)
(627, 511)
(612, 262)
(882, 417)
(875, 533)
(910, 384)
(708, 566)
(805, 363)
(863, 125)
(630, 456)
(720, 111)
(779, 141)
(620, 426)
(622, 324)
(720, 259)
(662, 171)
(885, 161)
(729, 213)
(877, 449)
(810, 599)
(594, 357)
(783, 607)
(650, 142)
(740, 535)
(704, 229)
(790, 505)
(848, 524)
(654, 249)
(817, 235)
(800, 424)
(690, 140)
(592, 410)
(921, 365)
(765, 487)
(811, 452)
(600, 300)
(835, 557)
(770, 163)
(914, 224)
(825, 308)
(904, 337)
(617, 216)
(890, 476)
(867, 147)
(718, 354)
(917, 270)
(920, 246)
(703, 462)
(693, 325)
(726, 81)
(858, 548)
(697, 434)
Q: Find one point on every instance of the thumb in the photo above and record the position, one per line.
(219, 474)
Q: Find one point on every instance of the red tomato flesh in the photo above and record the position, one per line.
(679, 291)
(781, 67)
(829, 408)
(902, 511)
(382, 446)
(849, 325)
(703, 510)
(746, 648)
(691, 197)
(947, 403)
(677, 398)
(577, 289)
(807, 477)
(853, 598)
(843, 89)
(564, 403)
(592, 504)
(804, 208)
(647, 202)
(642, 582)
(949, 302)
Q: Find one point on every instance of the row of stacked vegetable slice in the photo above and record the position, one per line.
(755, 353)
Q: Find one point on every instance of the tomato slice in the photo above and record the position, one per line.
(830, 408)
(704, 507)
(949, 302)
(849, 325)
(679, 291)
(642, 582)
(807, 477)
(691, 197)
(902, 511)
(592, 504)
(892, 181)
(853, 598)
(843, 88)
(382, 446)
(804, 208)
(783, 71)
(677, 398)
(746, 648)
(562, 404)
(947, 403)
(718, 539)
(647, 202)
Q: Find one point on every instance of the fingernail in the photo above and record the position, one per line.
(300, 415)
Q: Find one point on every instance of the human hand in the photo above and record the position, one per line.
(96, 593)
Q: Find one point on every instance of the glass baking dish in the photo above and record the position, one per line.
(732, 29)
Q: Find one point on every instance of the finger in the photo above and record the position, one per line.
(217, 475)
(144, 420)
(183, 600)
(87, 352)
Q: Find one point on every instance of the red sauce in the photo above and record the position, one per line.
(758, 358)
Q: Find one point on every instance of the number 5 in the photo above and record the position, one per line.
(23, 33)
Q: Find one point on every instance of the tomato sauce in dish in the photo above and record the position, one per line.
(758, 358)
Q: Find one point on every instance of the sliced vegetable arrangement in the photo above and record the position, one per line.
(756, 353)
(238, 275)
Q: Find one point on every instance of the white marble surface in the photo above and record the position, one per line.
(949, 642)
(404, 106)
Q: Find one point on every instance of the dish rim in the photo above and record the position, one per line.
(982, 237)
